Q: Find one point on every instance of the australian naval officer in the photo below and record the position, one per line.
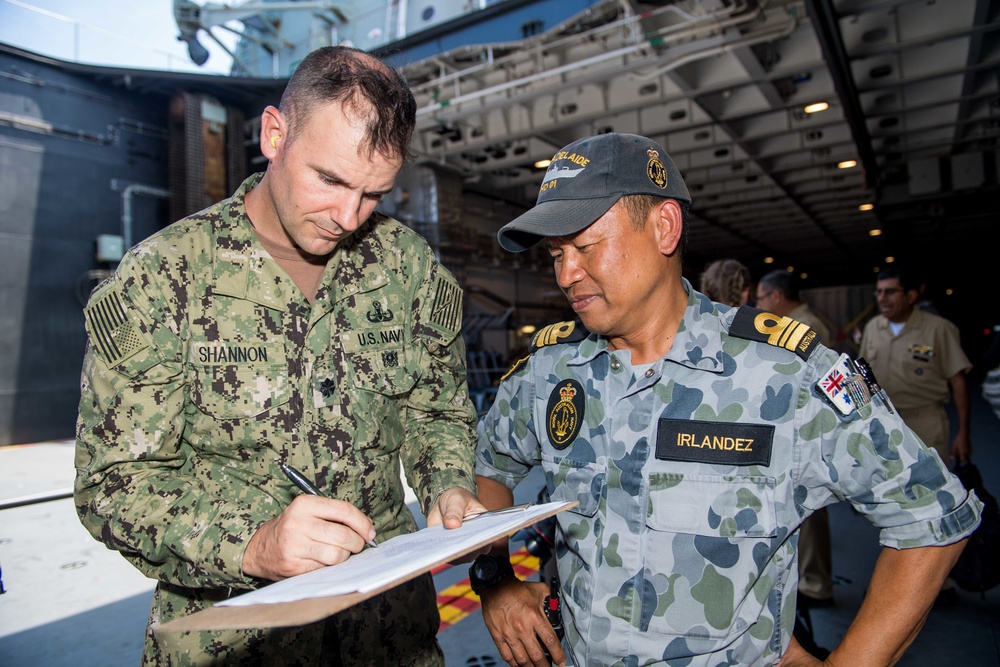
(696, 438)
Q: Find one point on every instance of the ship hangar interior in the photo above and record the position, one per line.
(897, 163)
(900, 166)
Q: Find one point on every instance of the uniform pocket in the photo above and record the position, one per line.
(239, 392)
(388, 371)
(710, 540)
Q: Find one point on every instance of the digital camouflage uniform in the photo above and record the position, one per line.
(207, 367)
(692, 476)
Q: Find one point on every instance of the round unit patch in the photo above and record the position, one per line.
(564, 413)
(655, 170)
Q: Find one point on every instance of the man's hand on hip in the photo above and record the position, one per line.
(516, 620)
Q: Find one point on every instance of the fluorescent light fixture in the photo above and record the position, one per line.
(847, 164)
(875, 232)
(866, 207)
(527, 329)
(542, 164)
(769, 260)
(890, 259)
(817, 106)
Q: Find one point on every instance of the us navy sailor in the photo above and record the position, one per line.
(696, 438)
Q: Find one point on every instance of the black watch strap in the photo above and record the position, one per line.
(488, 571)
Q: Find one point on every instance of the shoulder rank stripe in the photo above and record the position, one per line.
(560, 332)
(753, 324)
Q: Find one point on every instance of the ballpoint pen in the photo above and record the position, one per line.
(306, 486)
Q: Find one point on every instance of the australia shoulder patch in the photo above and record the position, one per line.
(759, 325)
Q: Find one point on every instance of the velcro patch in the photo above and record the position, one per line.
(446, 308)
(713, 442)
(835, 385)
(754, 324)
(112, 333)
(564, 413)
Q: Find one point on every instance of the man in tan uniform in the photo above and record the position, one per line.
(917, 357)
(778, 292)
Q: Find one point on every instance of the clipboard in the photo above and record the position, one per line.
(237, 614)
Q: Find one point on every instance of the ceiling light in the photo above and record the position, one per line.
(527, 329)
(890, 259)
(790, 269)
(803, 275)
(769, 260)
(818, 106)
(866, 207)
(847, 164)
(542, 164)
(875, 232)
(949, 291)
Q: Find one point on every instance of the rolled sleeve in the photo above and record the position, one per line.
(957, 524)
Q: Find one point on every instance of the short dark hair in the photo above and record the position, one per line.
(638, 207)
(909, 280)
(373, 89)
(782, 281)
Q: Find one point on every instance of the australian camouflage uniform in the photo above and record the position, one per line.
(207, 367)
(692, 475)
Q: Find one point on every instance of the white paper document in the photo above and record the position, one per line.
(396, 558)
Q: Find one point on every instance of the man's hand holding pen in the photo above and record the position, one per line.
(312, 532)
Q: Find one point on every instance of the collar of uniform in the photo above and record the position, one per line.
(697, 343)
(240, 254)
(361, 261)
(915, 319)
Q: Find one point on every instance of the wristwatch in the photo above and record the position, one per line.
(488, 571)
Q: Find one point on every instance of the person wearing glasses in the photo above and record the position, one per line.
(918, 359)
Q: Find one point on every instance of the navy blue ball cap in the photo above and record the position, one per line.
(584, 181)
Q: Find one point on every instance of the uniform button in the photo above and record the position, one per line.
(615, 365)
(649, 372)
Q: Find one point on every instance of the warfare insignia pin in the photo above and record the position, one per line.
(390, 359)
(565, 413)
(655, 170)
(376, 314)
